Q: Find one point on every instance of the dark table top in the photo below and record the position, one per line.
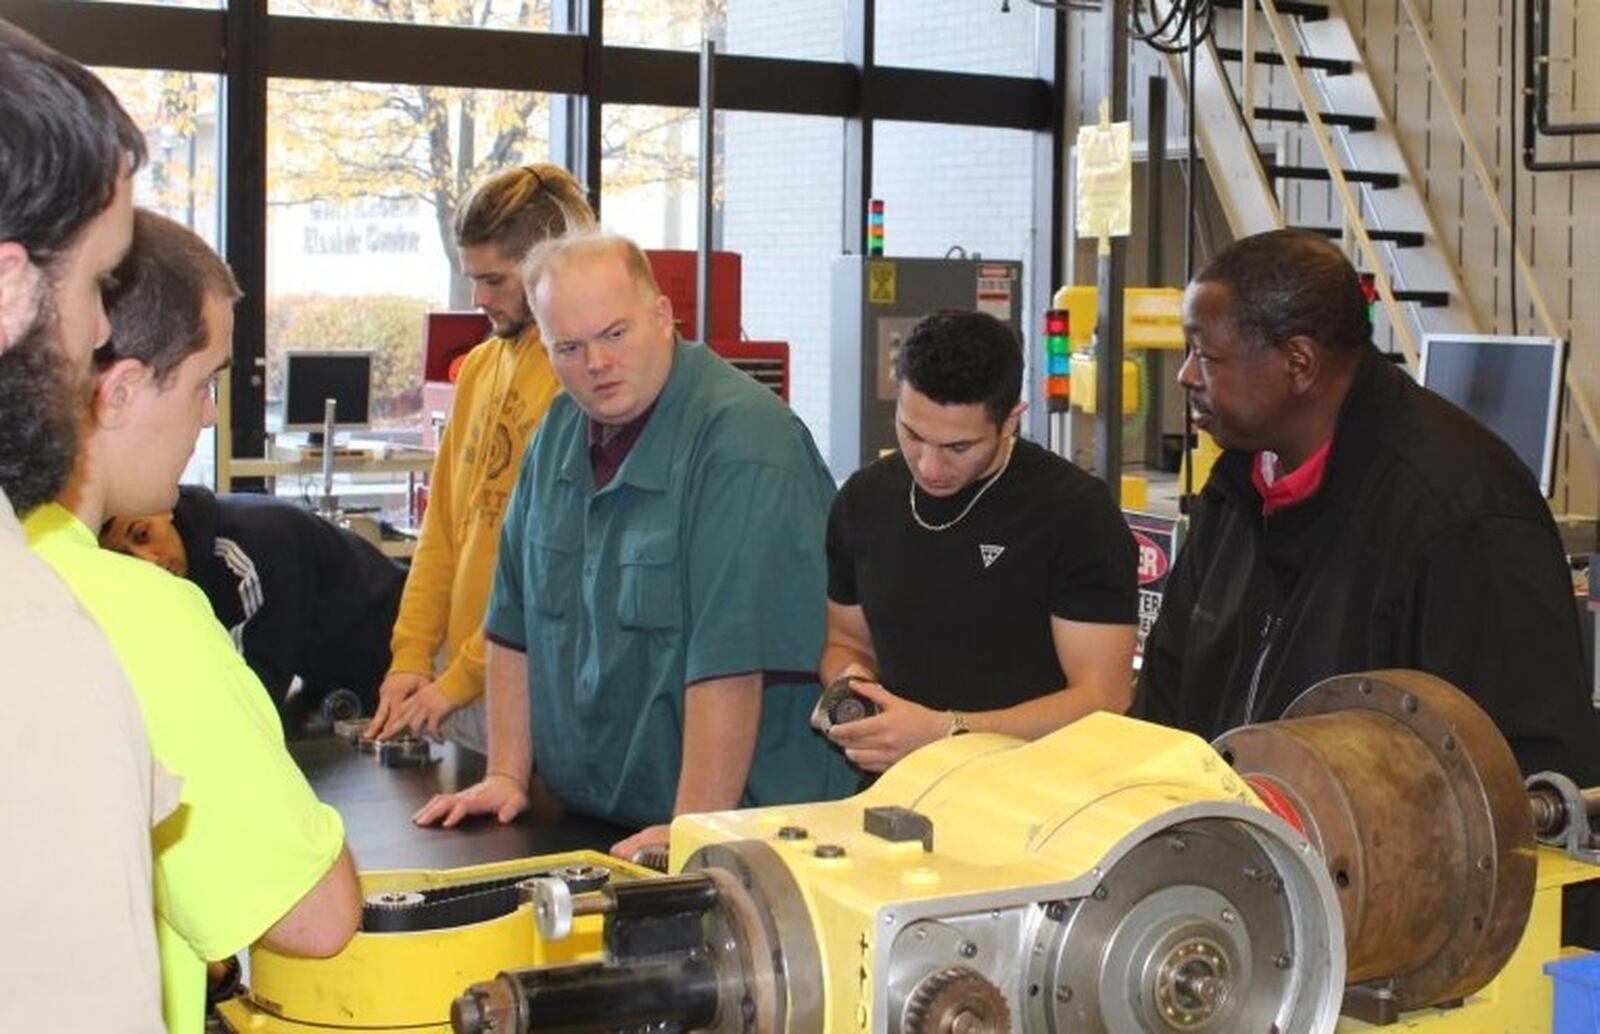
(377, 803)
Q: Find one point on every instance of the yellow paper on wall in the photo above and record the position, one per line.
(1105, 179)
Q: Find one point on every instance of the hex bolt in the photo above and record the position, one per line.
(792, 833)
(828, 851)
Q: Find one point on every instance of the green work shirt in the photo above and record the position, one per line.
(701, 558)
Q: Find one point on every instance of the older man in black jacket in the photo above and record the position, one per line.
(1355, 521)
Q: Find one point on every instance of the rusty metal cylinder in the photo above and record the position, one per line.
(1417, 806)
(1359, 789)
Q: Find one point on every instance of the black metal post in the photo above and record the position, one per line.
(1155, 176)
(244, 226)
(1111, 277)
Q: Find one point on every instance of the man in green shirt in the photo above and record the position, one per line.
(657, 609)
(250, 854)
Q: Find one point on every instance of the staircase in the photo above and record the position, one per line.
(1319, 151)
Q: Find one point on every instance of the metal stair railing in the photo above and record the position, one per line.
(1333, 33)
(1399, 325)
(1480, 171)
(1227, 143)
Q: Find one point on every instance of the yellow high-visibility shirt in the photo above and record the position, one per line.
(249, 838)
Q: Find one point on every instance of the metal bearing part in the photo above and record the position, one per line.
(394, 899)
(1192, 982)
(404, 751)
(551, 899)
(350, 729)
(581, 878)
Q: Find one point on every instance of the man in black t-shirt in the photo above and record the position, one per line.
(975, 581)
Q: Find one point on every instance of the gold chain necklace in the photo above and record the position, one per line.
(925, 526)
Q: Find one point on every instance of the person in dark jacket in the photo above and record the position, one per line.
(300, 596)
(1354, 521)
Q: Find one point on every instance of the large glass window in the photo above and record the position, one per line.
(650, 161)
(476, 14)
(178, 113)
(958, 36)
(169, 3)
(672, 24)
(781, 193)
(813, 30)
(363, 180)
(975, 200)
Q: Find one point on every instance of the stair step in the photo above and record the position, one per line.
(1292, 8)
(1360, 123)
(1400, 238)
(1426, 299)
(1380, 180)
(1330, 65)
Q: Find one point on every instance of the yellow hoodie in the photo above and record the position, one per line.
(503, 392)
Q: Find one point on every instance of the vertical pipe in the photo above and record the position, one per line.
(1111, 277)
(1247, 88)
(708, 175)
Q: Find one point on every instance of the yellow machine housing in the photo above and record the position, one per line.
(1369, 861)
(389, 983)
(1016, 829)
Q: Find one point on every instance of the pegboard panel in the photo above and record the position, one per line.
(1558, 213)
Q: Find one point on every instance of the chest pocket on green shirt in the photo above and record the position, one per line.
(648, 589)
(557, 561)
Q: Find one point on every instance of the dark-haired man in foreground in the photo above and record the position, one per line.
(75, 882)
(975, 580)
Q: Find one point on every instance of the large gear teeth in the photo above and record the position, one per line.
(956, 1000)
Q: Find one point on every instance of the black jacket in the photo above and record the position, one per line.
(1428, 546)
(301, 596)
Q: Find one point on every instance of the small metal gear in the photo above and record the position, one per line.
(955, 1000)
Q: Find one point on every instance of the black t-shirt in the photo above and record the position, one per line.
(960, 618)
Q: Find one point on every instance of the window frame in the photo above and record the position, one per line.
(248, 47)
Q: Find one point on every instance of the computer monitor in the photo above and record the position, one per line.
(309, 378)
(1512, 385)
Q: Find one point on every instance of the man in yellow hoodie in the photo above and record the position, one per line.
(505, 387)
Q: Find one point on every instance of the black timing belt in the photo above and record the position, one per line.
(441, 908)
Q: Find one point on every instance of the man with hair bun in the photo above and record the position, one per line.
(503, 391)
(975, 580)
